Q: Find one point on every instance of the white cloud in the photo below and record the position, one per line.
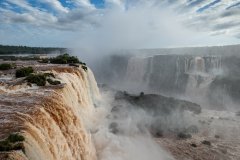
(155, 22)
(56, 5)
(84, 4)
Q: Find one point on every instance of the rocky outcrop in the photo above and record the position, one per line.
(158, 104)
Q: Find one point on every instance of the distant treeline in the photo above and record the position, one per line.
(5, 49)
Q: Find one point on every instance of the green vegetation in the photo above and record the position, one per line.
(42, 79)
(84, 68)
(15, 138)
(5, 66)
(49, 75)
(64, 59)
(70, 60)
(13, 142)
(28, 50)
(23, 72)
(39, 79)
(52, 82)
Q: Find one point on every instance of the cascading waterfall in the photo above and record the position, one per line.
(55, 122)
(178, 70)
(207, 64)
(201, 71)
(137, 74)
(188, 74)
(136, 69)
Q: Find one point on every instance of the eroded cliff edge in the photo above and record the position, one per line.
(52, 119)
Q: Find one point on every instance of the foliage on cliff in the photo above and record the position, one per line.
(67, 59)
(5, 66)
(23, 72)
(38, 79)
(52, 82)
(42, 79)
(13, 142)
(64, 59)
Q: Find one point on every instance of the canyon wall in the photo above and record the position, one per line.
(208, 74)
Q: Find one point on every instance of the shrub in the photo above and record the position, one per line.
(5, 66)
(15, 138)
(38, 79)
(41, 79)
(52, 82)
(5, 146)
(23, 72)
(64, 59)
(49, 75)
(84, 68)
(13, 142)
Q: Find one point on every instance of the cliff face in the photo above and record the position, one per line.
(206, 77)
(171, 73)
(52, 118)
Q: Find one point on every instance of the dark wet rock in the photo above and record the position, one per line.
(158, 104)
(217, 136)
(205, 142)
(156, 132)
(194, 145)
(113, 127)
(159, 134)
(182, 135)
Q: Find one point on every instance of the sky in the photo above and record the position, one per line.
(119, 23)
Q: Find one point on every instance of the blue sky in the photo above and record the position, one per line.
(66, 22)
(98, 3)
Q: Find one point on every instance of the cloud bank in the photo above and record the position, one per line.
(120, 23)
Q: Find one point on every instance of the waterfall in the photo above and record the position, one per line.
(199, 65)
(201, 71)
(178, 70)
(171, 73)
(138, 72)
(55, 122)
